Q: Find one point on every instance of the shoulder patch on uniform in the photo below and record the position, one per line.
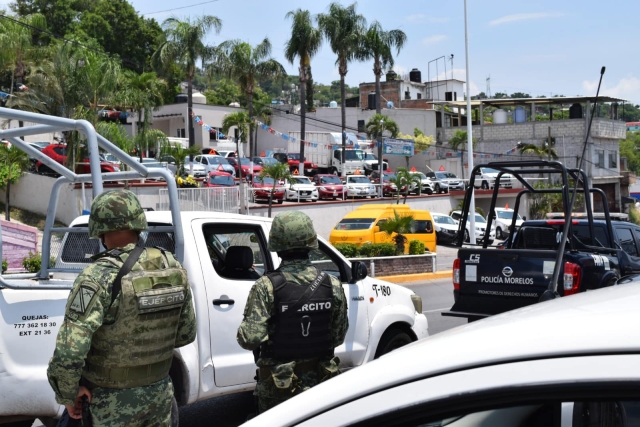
(83, 297)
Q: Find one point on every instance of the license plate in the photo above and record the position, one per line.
(335, 193)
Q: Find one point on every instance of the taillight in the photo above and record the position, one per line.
(560, 221)
(572, 275)
(456, 274)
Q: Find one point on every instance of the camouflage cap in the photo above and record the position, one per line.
(114, 211)
(292, 230)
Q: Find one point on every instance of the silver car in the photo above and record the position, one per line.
(213, 163)
(444, 181)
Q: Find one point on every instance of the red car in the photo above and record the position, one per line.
(293, 159)
(58, 152)
(219, 179)
(262, 187)
(329, 186)
(388, 188)
(246, 167)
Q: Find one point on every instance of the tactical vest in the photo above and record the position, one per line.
(306, 332)
(137, 349)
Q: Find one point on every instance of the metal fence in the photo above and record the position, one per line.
(213, 199)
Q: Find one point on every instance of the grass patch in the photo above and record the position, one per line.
(27, 217)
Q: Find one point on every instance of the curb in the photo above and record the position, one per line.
(417, 277)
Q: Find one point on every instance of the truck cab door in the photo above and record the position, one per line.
(223, 248)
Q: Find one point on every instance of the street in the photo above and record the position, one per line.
(231, 411)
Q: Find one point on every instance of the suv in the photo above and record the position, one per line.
(481, 226)
(503, 219)
(444, 181)
(486, 179)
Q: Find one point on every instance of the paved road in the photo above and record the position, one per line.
(231, 411)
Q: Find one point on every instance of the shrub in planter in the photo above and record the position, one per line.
(377, 249)
(416, 247)
(349, 250)
(5, 265)
(33, 263)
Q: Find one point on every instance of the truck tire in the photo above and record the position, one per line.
(485, 185)
(392, 339)
(334, 171)
(499, 234)
(437, 189)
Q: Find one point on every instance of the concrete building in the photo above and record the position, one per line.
(498, 141)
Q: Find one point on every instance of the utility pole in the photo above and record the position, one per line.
(380, 168)
(472, 204)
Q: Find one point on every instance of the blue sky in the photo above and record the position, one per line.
(541, 47)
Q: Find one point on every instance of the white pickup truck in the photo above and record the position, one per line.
(382, 316)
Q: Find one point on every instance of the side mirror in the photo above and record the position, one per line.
(358, 271)
(524, 218)
(376, 229)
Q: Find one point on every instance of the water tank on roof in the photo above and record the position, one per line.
(520, 115)
(333, 104)
(499, 117)
(575, 111)
(390, 104)
(181, 98)
(415, 76)
(371, 101)
(391, 75)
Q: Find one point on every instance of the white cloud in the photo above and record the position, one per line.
(626, 88)
(524, 17)
(428, 41)
(421, 17)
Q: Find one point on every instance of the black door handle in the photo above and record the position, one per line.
(223, 301)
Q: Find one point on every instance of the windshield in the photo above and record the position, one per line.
(269, 161)
(221, 180)
(330, 180)
(489, 170)
(354, 155)
(244, 162)
(110, 157)
(300, 180)
(266, 180)
(369, 156)
(390, 176)
(507, 215)
(441, 175)
(358, 180)
(355, 224)
(449, 175)
(479, 218)
(293, 156)
(217, 161)
(420, 174)
(443, 219)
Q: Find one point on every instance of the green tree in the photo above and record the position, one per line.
(184, 45)
(304, 43)
(16, 39)
(404, 180)
(98, 77)
(377, 125)
(13, 163)
(224, 93)
(629, 148)
(263, 113)
(421, 142)
(179, 154)
(396, 227)
(61, 16)
(378, 45)
(278, 171)
(459, 142)
(247, 65)
(344, 30)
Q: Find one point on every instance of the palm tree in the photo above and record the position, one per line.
(304, 43)
(179, 154)
(99, 76)
(378, 45)
(15, 41)
(13, 163)
(243, 123)
(277, 171)
(458, 141)
(264, 113)
(404, 179)
(375, 128)
(398, 225)
(248, 65)
(343, 29)
(184, 45)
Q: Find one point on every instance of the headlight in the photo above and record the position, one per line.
(322, 188)
(117, 169)
(417, 303)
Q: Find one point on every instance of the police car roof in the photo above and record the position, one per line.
(587, 323)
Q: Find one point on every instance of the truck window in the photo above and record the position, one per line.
(236, 252)
(421, 227)
(626, 241)
(582, 233)
(326, 260)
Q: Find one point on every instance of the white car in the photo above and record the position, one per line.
(565, 363)
(300, 188)
(360, 186)
(480, 225)
(503, 220)
(486, 179)
(427, 184)
(198, 169)
(446, 228)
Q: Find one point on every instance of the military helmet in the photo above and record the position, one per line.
(114, 211)
(292, 230)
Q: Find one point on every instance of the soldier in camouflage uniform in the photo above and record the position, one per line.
(118, 351)
(294, 334)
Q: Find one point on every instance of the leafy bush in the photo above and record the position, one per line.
(377, 249)
(33, 263)
(416, 247)
(349, 250)
(634, 215)
(5, 265)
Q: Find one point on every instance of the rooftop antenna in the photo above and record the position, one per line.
(489, 86)
(451, 59)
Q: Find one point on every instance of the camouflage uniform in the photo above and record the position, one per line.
(86, 312)
(257, 325)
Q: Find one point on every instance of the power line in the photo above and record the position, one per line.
(178, 8)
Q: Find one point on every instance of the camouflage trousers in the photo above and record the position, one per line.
(284, 383)
(148, 406)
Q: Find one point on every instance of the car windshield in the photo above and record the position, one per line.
(293, 156)
(354, 155)
(269, 161)
(245, 162)
(443, 219)
(420, 174)
(369, 156)
(355, 224)
(358, 180)
(221, 180)
(390, 176)
(110, 157)
(441, 175)
(489, 170)
(507, 215)
(266, 180)
(217, 160)
(449, 175)
(300, 180)
(479, 218)
(330, 180)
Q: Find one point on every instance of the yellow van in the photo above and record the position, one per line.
(362, 225)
